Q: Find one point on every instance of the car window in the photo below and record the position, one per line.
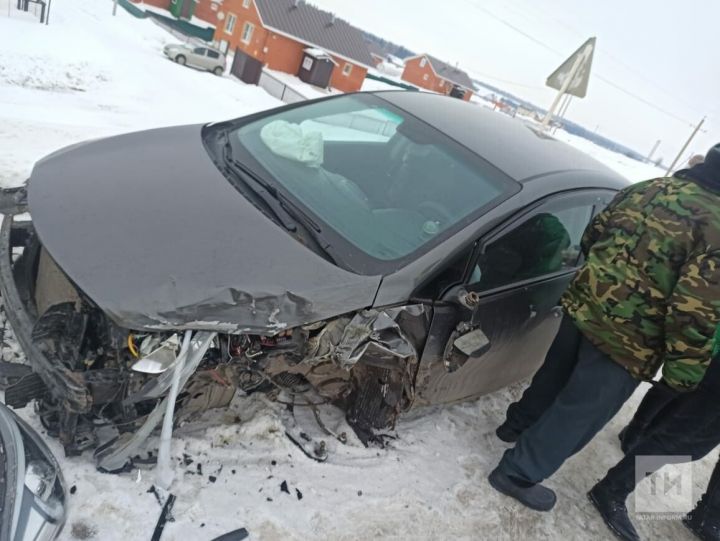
(199, 50)
(213, 54)
(369, 125)
(544, 242)
(429, 188)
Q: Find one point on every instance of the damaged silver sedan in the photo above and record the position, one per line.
(381, 251)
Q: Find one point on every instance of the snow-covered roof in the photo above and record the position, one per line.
(315, 27)
(319, 54)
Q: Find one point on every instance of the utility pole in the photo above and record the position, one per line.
(115, 3)
(654, 149)
(684, 148)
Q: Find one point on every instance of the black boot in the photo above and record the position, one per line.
(507, 433)
(613, 511)
(702, 523)
(534, 496)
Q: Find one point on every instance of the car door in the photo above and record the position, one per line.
(199, 57)
(511, 290)
(214, 60)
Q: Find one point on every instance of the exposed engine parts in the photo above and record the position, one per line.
(99, 385)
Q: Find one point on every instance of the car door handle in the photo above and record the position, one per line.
(533, 311)
(557, 311)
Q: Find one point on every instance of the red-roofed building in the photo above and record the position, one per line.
(278, 32)
(430, 73)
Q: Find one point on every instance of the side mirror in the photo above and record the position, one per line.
(473, 343)
(463, 344)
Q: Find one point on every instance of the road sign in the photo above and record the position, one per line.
(577, 67)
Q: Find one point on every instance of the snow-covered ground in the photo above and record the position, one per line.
(88, 75)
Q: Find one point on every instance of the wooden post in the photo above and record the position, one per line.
(684, 148)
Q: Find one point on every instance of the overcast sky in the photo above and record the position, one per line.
(663, 52)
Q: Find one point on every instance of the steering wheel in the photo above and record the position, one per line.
(435, 211)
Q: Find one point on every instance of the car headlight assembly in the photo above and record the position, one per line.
(42, 507)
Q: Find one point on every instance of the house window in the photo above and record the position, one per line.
(347, 69)
(425, 77)
(230, 23)
(247, 33)
(246, 3)
(423, 62)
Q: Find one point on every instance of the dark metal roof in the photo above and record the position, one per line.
(315, 27)
(509, 144)
(450, 73)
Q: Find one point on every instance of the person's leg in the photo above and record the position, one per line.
(658, 397)
(547, 382)
(681, 430)
(596, 390)
(704, 520)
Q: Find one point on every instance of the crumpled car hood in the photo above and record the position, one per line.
(149, 229)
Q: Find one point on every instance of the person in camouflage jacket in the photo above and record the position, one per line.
(647, 296)
(649, 292)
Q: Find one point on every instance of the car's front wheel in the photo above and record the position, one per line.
(218, 71)
(180, 59)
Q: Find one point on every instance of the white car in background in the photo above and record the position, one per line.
(196, 56)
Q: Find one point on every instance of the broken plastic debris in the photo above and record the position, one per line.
(159, 359)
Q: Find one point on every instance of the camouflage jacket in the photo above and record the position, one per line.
(649, 291)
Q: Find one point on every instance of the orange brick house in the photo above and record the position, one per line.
(277, 32)
(430, 73)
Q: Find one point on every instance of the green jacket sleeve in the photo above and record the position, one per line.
(692, 317)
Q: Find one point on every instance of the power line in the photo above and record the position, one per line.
(562, 55)
(612, 57)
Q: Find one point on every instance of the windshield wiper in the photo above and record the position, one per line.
(267, 194)
(285, 211)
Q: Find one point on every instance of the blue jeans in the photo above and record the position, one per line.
(595, 390)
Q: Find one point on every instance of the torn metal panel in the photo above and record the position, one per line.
(377, 334)
(210, 260)
(382, 349)
(64, 385)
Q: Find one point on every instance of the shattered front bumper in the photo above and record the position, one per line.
(65, 386)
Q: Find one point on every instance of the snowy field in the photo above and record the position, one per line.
(88, 75)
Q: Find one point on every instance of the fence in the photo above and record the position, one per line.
(276, 88)
(176, 26)
(390, 82)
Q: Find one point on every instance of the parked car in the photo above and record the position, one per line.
(383, 251)
(32, 490)
(201, 57)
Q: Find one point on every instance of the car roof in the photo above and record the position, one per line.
(200, 43)
(519, 150)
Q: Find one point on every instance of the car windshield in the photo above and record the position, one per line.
(384, 181)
